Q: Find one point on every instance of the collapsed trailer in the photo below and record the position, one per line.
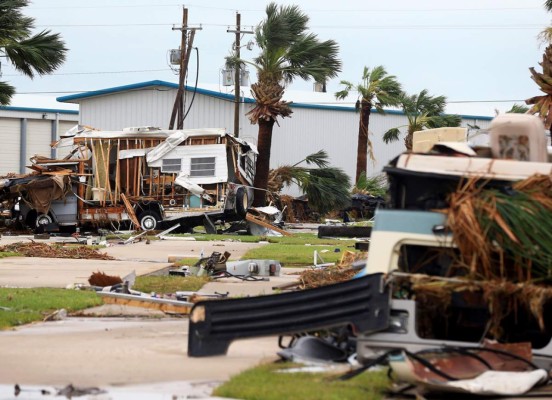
(145, 176)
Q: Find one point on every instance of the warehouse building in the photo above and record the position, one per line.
(26, 131)
(318, 121)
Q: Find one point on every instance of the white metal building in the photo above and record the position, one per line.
(312, 126)
(26, 131)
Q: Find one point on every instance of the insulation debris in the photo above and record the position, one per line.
(34, 249)
(102, 279)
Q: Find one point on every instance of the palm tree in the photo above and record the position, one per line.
(327, 188)
(542, 105)
(40, 54)
(422, 111)
(376, 90)
(288, 51)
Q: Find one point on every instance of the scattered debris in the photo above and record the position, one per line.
(147, 301)
(102, 280)
(58, 315)
(34, 249)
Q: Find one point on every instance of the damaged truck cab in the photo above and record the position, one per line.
(148, 176)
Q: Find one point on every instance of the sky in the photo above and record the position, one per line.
(477, 53)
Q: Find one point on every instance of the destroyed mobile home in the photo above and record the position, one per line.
(461, 254)
(146, 176)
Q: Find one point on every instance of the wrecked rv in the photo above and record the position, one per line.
(145, 176)
(422, 286)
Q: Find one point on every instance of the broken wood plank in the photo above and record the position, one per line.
(154, 303)
(130, 212)
(265, 224)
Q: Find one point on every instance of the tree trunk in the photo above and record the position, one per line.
(264, 143)
(362, 146)
(409, 139)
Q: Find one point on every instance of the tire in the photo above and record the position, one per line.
(242, 202)
(149, 220)
(43, 219)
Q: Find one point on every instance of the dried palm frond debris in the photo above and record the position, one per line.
(102, 279)
(33, 249)
(313, 278)
(503, 300)
(504, 233)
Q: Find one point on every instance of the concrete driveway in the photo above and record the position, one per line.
(120, 351)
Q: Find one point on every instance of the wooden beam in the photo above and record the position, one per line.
(153, 303)
(131, 212)
(265, 224)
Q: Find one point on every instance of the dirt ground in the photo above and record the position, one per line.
(134, 347)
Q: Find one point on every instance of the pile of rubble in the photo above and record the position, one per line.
(33, 249)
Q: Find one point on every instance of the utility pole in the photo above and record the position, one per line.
(237, 67)
(185, 51)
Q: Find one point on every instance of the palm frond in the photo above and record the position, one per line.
(518, 108)
(392, 135)
(320, 159)
(40, 54)
(548, 5)
(6, 93)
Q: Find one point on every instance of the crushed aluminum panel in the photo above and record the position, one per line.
(166, 146)
(363, 302)
(130, 153)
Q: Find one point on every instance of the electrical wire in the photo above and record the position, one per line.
(195, 87)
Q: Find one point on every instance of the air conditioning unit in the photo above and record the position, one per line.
(176, 54)
(227, 77)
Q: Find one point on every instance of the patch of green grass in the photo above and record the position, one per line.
(23, 306)
(264, 383)
(186, 261)
(207, 237)
(4, 254)
(296, 255)
(169, 284)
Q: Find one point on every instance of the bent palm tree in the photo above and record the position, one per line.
(288, 51)
(376, 90)
(422, 111)
(40, 54)
(327, 188)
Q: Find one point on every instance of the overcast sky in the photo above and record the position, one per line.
(475, 52)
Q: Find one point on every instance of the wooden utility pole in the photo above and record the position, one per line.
(237, 70)
(185, 51)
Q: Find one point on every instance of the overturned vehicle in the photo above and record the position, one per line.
(145, 176)
(460, 255)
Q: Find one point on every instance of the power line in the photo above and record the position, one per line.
(299, 102)
(100, 72)
(370, 27)
(385, 10)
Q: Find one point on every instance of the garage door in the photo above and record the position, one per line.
(10, 134)
(39, 137)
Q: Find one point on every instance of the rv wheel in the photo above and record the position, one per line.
(242, 201)
(149, 220)
(43, 219)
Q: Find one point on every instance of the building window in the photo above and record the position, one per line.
(171, 165)
(204, 166)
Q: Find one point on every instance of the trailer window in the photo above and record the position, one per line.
(203, 166)
(171, 165)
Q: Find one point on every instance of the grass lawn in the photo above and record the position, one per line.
(169, 284)
(264, 383)
(22, 306)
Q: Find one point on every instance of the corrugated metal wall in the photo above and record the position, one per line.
(39, 137)
(39, 133)
(307, 131)
(10, 131)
